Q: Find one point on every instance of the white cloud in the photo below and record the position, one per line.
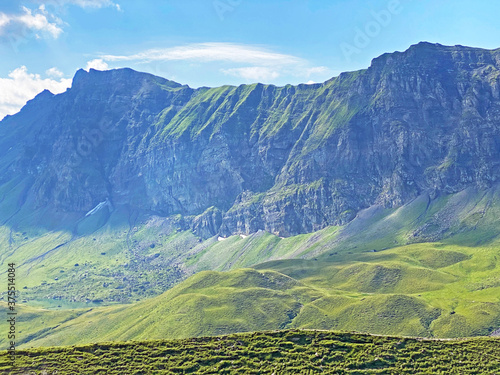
(87, 3)
(310, 82)
(39, 22)
(250, 62)
(54, 72)
(316, 70)
(4, 20)
(207, 52)
(97, 64)
(253, 73)
(21, 86)
(36, 21)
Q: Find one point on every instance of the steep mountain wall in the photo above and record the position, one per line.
(288, 160)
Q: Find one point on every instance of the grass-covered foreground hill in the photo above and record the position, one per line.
(278, 352)
(426, 290)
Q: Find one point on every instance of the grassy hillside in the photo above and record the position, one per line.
(123, 257)
(372, 275)
(426, 290)
(281, 352)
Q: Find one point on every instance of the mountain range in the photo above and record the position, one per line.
(379, 185)
(288, 160)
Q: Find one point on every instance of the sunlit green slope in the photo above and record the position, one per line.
(283, 352)
(429, 290)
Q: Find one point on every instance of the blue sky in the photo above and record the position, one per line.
(216, 42)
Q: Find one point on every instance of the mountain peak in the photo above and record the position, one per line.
(45, 93)
(424, 44)
(115, 76)
(428, 54)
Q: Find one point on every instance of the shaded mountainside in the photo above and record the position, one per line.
(285, 352)
(287, 160)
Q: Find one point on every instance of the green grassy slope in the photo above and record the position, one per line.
(109, 257)
(469, 218)
(426, 290)
(122, 256)
(371, 275)
(282, 352)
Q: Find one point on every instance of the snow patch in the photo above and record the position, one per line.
(98, 207)
(221, 238)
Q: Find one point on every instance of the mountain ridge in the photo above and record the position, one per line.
(253, 152)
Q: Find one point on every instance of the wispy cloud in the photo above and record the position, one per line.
(97, 64)
(54, 73)
(39, 21)
(210, 52)
(249, 62)
(4, 20)
(21, 86)
(253, 73)
(316, 70)
(86, 3)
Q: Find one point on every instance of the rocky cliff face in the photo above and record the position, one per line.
(288, 160)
